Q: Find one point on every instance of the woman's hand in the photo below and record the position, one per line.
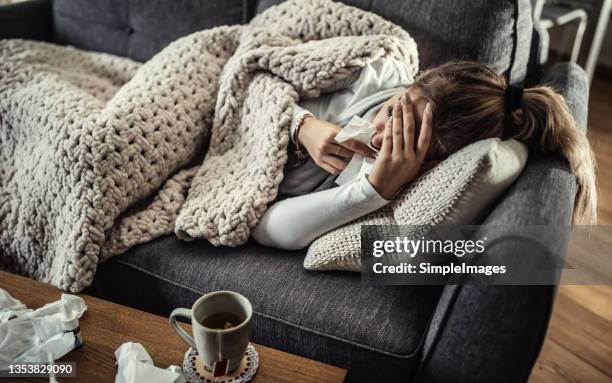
(317, 136)
(398, 161)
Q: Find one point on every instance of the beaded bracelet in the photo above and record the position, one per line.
(299, 153)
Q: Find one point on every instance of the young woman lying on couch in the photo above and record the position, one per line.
(443, 110)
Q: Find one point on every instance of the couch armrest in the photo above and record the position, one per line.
(491, 334)
(27, 20)
(573, 83)
(494, 333)
(538, 55)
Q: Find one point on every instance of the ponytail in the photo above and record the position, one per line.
(545, 123)
(471, 102)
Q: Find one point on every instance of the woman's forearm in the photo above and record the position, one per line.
(294, 223)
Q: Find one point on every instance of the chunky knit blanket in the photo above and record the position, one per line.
(99, 153)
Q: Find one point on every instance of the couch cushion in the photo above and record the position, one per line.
(497, 33)
(137, 28)
(327, 316)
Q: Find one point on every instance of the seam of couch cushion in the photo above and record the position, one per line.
(87, 21)
(515, 39)
(543, 331)
(437, 332)
(295, 325)
(519, 44)
(114, 27)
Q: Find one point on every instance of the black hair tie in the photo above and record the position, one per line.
(513, 98)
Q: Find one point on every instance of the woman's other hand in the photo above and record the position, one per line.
(398, 161)
(318, 137)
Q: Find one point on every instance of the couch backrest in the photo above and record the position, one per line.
(494, 32)
(138, 28)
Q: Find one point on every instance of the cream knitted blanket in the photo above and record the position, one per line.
(99, 153)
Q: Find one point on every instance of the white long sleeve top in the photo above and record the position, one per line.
(316, 205)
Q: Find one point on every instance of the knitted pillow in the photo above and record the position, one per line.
(456, 191)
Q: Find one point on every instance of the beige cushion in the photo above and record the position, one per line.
(456, 191)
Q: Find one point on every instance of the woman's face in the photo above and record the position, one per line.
(418, 103)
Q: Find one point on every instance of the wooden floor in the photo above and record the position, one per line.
(578, 346)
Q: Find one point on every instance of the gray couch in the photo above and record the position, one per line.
(468, 333)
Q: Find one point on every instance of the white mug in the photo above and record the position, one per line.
(220, 349)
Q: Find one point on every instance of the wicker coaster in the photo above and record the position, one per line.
(195, 372)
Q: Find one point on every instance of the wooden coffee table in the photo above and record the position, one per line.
(105, 326)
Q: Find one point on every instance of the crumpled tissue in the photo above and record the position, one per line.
(360, 130)
(49, 332)
(135, 365)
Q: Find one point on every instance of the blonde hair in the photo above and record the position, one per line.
(469, 104)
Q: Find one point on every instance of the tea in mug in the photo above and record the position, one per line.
(222, 321)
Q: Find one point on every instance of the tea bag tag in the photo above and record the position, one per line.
(220, 368)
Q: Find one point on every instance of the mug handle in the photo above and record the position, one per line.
(184, 313)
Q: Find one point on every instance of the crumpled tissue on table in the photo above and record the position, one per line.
(49, 332)
(360, 130)
(135, 365)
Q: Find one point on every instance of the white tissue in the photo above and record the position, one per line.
(134, 365)
(360, 130)
(10, 307)
(35, 336)
(357, 129)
